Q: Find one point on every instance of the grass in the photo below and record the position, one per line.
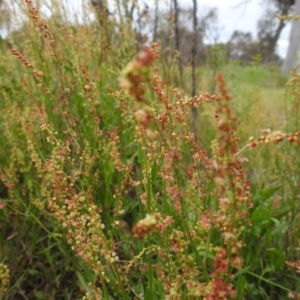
(107, 193)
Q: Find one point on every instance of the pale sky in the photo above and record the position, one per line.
(232, 15)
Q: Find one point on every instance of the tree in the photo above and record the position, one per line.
(242, 46)
(101, 10)
(292, 57)
(270, 27)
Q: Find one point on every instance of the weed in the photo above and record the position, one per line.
(106, 192)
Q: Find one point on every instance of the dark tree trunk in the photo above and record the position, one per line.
(281, 25)
(194, 49)
(194, 53)
(177, 40)
(155, 21)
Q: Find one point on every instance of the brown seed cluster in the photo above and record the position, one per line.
(268, 136)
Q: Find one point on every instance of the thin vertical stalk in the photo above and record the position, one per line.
(194, 53)
(155, 21)
(177, 40)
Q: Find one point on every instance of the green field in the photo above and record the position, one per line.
(111, 187)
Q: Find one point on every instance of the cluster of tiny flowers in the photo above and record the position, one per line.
(216, 289)
(134, 77)
(88, 88)
(137, 72)
(295, 265)
(38, 75)
(169, 116)
(34, 14)
(9, 184)
(93, 293)
(268, 136)
(150, 224)
(4, 278)
(229, 170)
(26, 63)
(293, 295)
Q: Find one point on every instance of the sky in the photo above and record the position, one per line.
(237, 15)
(232, 15)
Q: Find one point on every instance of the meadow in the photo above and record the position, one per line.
(112, 187)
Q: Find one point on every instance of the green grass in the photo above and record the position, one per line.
(105, 193)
